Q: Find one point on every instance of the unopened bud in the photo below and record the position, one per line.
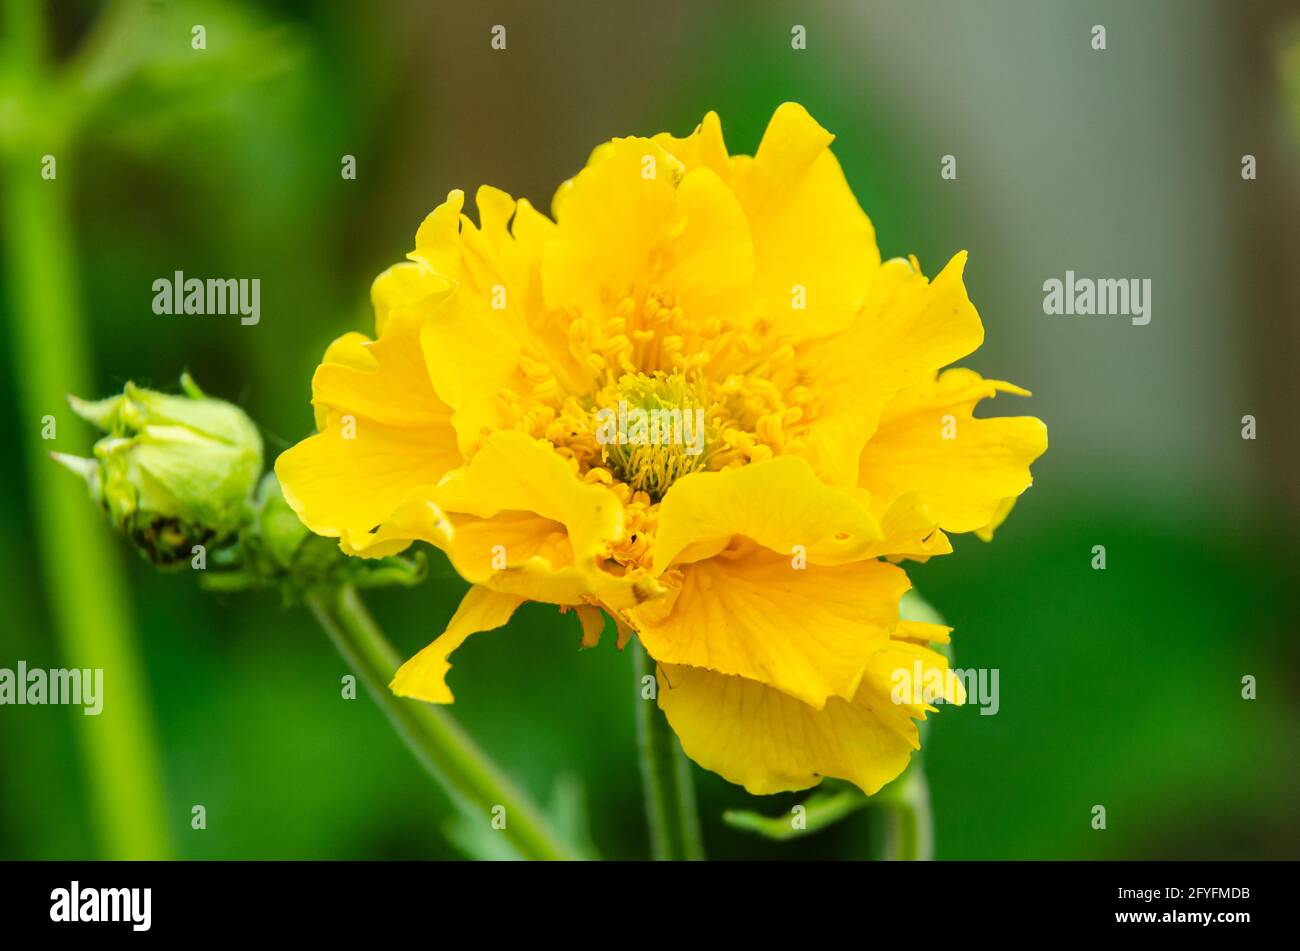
(172, 471)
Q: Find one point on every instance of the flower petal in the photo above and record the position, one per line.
(418, 517)
(929, 442)
(592, 620)
(494, 320)
(809, 231)
(473, 360)
(633, 220)
(610, 217)
(384, 435)
(985, 532)
(384, 380)
(703, 148)
(805, 631)
(907, 329)
(340, 486)
(711, 261)
(424, 676)
(769, 742)
(407, 288)
(769, 579)
(349, 350)
(779, 503)
(525, 523)
(909, 530)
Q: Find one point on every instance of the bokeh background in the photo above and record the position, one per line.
(1119, 687)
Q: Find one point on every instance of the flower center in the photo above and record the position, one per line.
(652, 429)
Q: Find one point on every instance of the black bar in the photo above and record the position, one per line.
(936, 903)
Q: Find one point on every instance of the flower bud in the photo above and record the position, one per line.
(173, 471)
(276, 550)
(285, 540)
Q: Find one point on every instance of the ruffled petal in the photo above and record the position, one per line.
(908, 530)
(907, 330)
(779, 503)
(930, 443)
(809, 231)
(634, 221)
(750, 612)
(769, 742)
(493, 328)
(703, 148)
(709, 264)
(611, 218)
(417, 518)
(769, 581)
(407, 288)
(473, 361)
(384, 437)
(524, 523)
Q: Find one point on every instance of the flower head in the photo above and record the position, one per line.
(172, 471)
(698, 402)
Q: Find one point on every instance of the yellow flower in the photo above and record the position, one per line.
(750, 540)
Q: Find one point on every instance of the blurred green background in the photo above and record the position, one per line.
(1119, 687)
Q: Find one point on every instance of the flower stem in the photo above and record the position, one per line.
(83, 577)
(908, 822)
(443, 749)
(665, 777)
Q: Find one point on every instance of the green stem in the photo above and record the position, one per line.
(665, 777)
(450, 756)
(83, 577)
(908, 822)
